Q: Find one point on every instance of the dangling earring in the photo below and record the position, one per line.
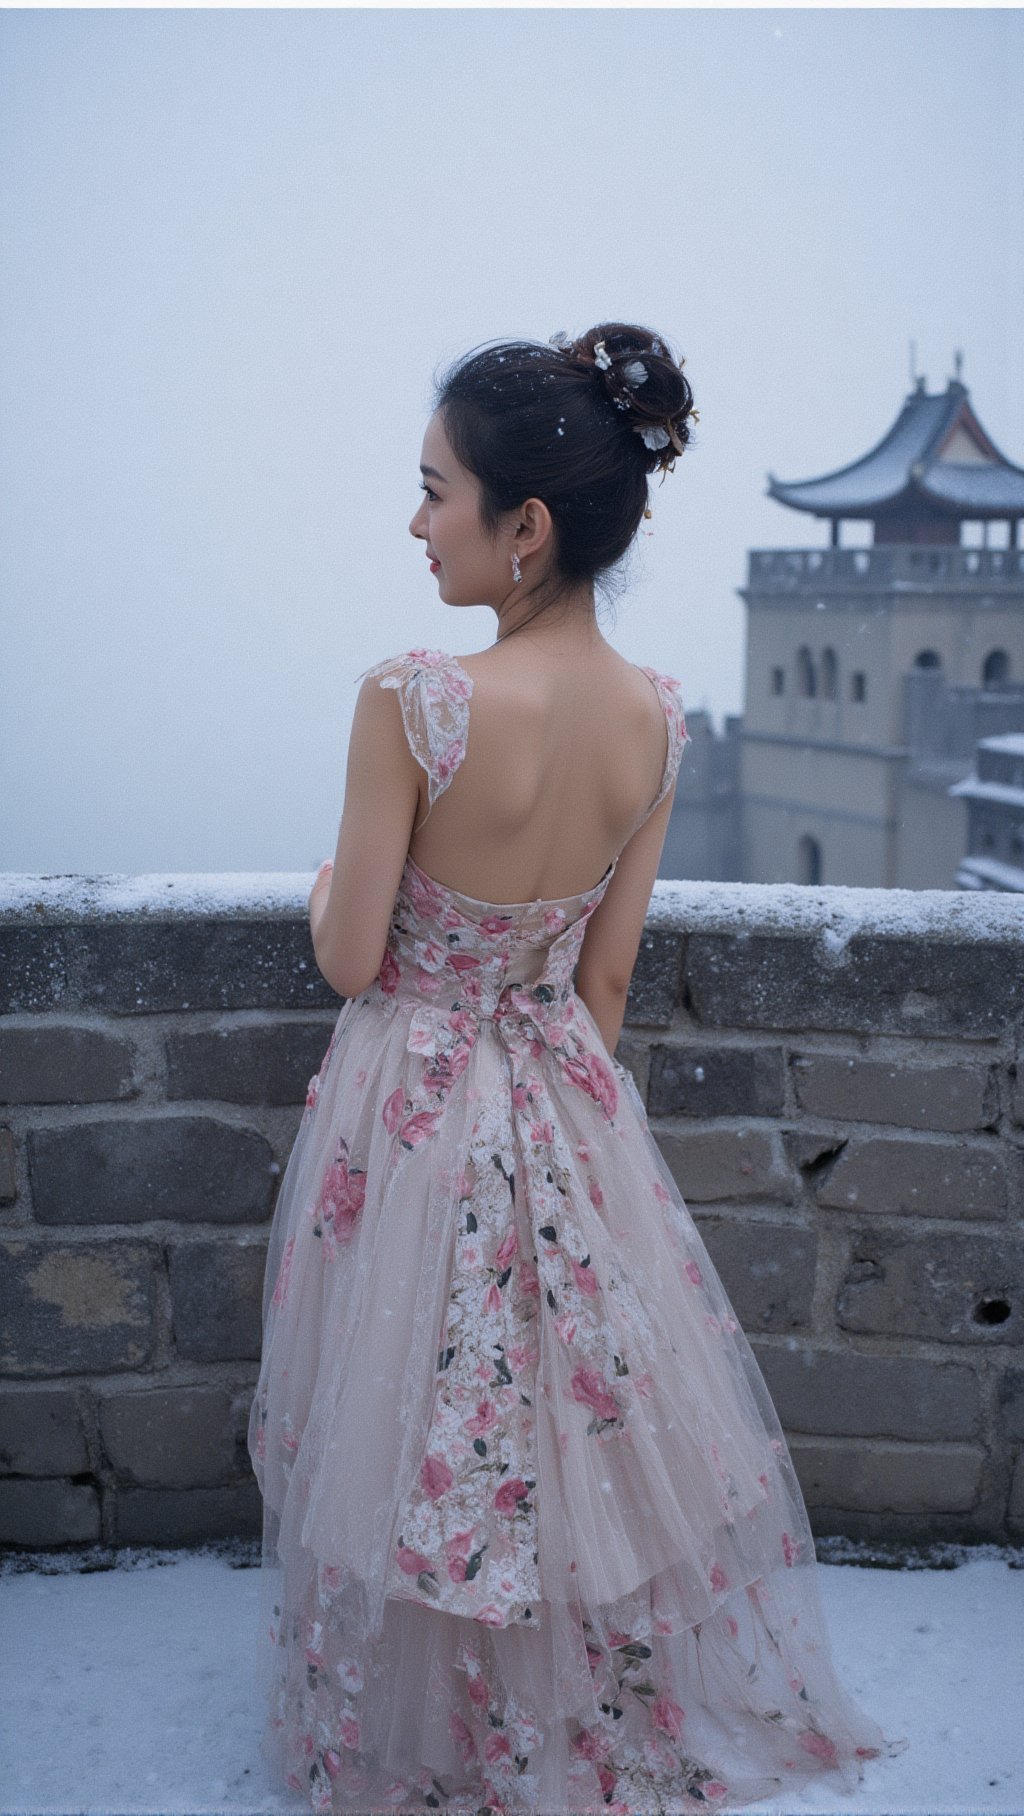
(517, 572)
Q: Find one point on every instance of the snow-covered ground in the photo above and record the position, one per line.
(132, 1689)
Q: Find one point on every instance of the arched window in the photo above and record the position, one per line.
(808, 860)
(927, 658)
(805, 676)
(778, 680)
(996, 667)
(829, 673)
(858, 685)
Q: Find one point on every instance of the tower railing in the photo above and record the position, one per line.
(889, 565)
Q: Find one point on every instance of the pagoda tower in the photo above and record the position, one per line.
(872, 670)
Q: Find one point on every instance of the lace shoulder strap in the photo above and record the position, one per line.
(433, 692)
(669, 691)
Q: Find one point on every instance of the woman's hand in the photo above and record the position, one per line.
(319, 893)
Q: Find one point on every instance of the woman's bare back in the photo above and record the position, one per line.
(565, 752)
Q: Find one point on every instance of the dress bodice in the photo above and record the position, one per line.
(450, 948)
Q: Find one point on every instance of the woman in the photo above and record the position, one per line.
(532, 1536)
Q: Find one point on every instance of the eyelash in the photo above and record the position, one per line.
(425, 488)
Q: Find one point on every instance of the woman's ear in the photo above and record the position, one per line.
(534, 530)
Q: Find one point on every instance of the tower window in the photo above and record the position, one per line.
(927, 658)
(806, 680)
(995, 668)
(778, 680)
(858, 685)
(829, 673)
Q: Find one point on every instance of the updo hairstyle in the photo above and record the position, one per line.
(580, 424)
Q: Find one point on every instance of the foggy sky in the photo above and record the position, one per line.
(237, 244)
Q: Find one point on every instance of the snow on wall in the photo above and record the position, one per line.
(835, 911)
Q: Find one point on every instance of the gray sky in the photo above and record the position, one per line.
(238, 242)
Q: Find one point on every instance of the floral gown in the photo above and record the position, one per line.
(532, 1536)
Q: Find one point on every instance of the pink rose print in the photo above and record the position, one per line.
(590, 1743)
(732, 1627)
(483, 1419)
(350, 1732)
(565, 1325)
(596, 1194)
(693, 1273)
(713, 1787)
(341, 1197)
(719, 1580)
(417, 1128)
(412, 1562)
(392, 1111)
(332, 1761)
(584, 1277)
(589, 1386)
(490, 1616)
(660, 1192)
(790, 1549)
(463, 1738)
(542, 1133)
(435, 1477)
(510, 1494)
(507, 1248)
(819, 1746)
(497, 1746)
(492, 1299)
(529, 1280)
(668, 1716)
(478, 1692)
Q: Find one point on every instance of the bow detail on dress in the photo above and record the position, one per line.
(445, 1033)
(528, 1019)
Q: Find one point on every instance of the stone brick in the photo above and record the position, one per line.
(8, 1168)
(41, 1432)
(72, 1308)
(951, 1288)
(137, 967)
(654, 985)
(724, 1163)
(1017, 1083)
(217, 1297)
(699, 1079)
(33, 969)
(62, 1063)
(1011, 1402)
(846, 1394)
(176, 1516)
(258, 1063)
(132, 1169)
(170, 1437)
(767, 1269)
(44, 1514)
(895, 1175)
(872, 984)
(910, 1478)
(876, 1090)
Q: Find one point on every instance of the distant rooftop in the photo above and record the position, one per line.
(936, 458)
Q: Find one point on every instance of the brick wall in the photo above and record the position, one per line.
(834, 1076)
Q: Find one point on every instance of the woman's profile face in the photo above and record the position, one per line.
(470, 569)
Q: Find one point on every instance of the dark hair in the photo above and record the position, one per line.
(561, 421)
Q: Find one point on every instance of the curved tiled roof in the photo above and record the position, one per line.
(906, 467)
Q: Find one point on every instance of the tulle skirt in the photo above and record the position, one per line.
(533, 1539)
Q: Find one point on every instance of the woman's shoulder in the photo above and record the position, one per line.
(412, 665)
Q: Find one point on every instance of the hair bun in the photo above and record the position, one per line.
(644, 381)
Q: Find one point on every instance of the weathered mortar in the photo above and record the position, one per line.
(833, 1075)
